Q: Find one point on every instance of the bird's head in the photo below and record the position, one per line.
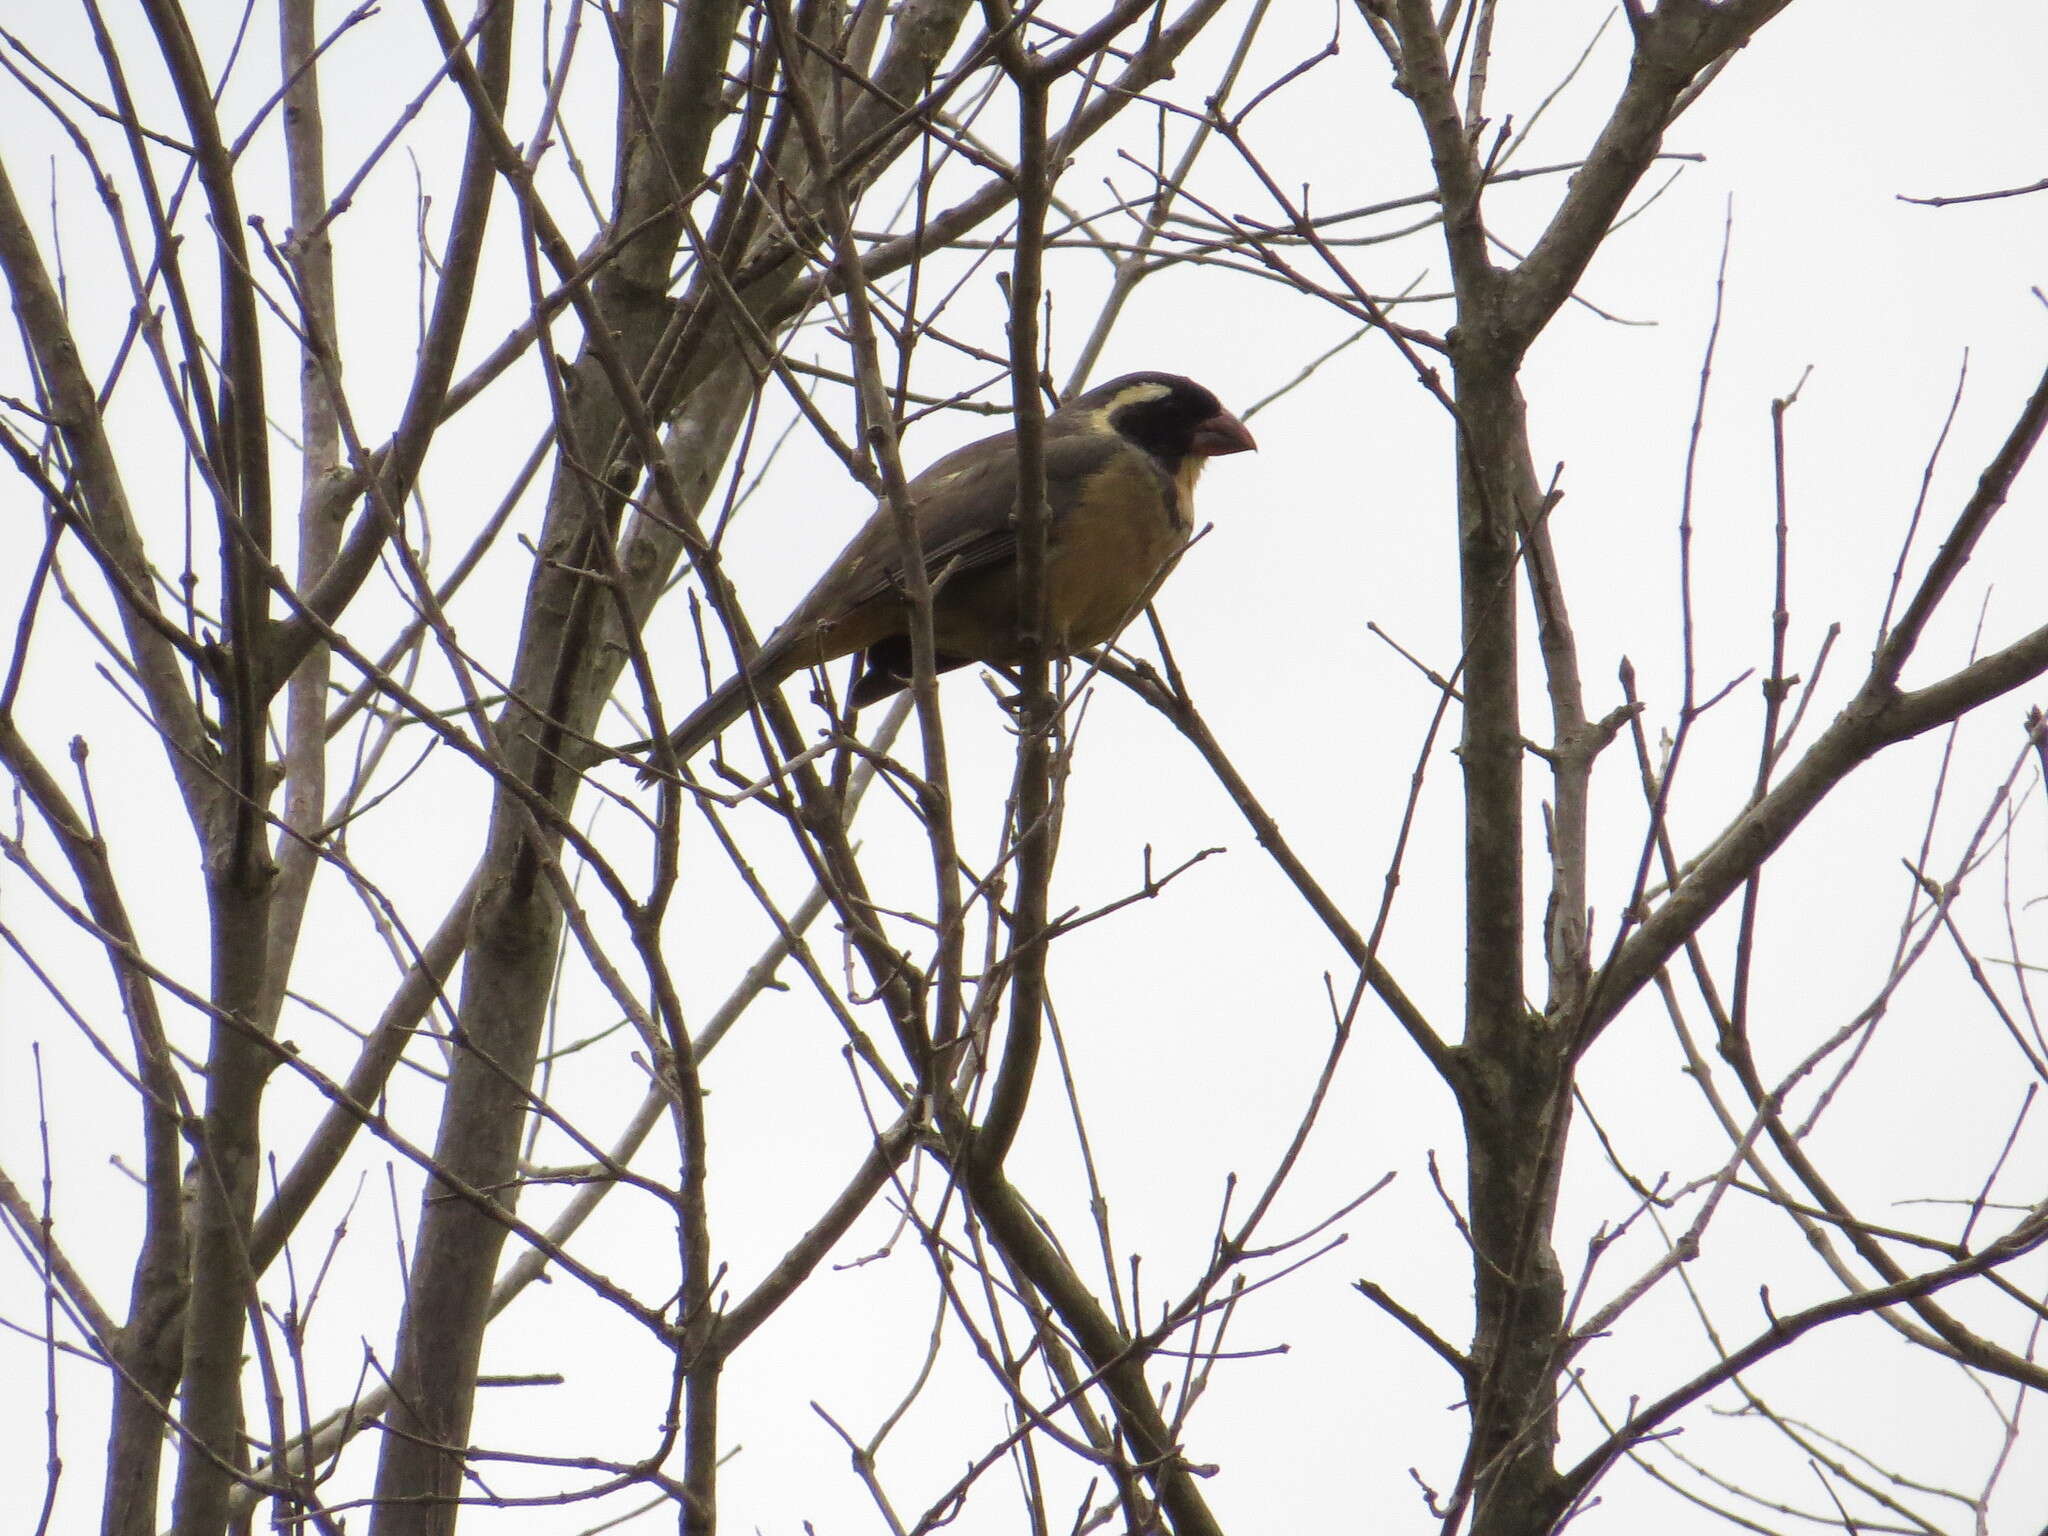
(1168, 416)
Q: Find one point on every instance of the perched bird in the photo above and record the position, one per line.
(1120, 469)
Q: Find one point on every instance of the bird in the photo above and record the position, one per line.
(1121, 461)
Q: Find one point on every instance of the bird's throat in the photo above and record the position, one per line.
(1184, 479)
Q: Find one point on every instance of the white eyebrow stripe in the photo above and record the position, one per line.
(1136, 394)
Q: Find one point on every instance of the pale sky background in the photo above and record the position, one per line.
(1196, 1023)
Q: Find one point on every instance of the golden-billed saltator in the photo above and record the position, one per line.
(1120, 468)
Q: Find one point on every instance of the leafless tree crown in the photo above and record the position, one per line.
(406, 403)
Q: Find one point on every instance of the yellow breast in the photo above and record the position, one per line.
(1112, 548)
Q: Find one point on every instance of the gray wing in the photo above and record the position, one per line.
(964, 504)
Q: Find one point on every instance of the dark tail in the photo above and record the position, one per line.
(728, 703)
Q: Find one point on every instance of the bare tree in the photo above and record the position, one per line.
(672, 267)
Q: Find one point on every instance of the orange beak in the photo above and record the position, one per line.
(1221, 433)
